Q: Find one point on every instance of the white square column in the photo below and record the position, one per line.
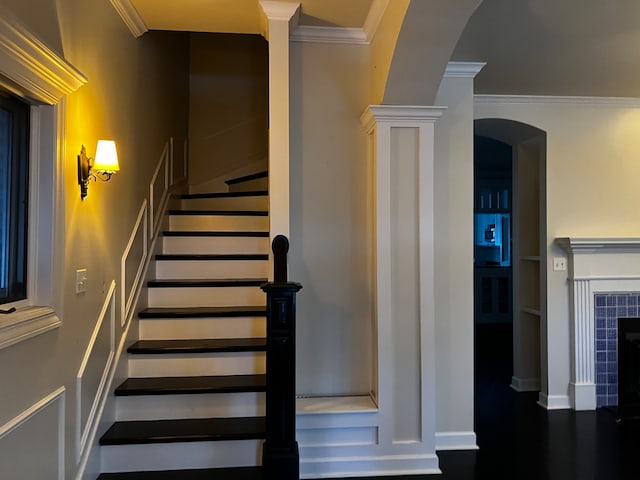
(280, 18)
(402, 165)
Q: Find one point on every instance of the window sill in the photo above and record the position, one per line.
(26, 323)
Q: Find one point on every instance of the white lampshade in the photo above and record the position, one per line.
(106, 160)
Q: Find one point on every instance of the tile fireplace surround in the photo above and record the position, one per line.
(602, 267)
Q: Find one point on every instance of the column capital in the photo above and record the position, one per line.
(275, 11)
(406, 115)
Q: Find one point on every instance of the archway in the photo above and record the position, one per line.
(528, 247)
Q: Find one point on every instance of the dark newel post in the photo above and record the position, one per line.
(280, 457)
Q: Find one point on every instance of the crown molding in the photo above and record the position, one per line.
(374, 18)
(32, 68)
(463, 69)
(130, 17)
(619, 102)
(312, 34)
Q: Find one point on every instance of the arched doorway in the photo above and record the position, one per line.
(527, 212)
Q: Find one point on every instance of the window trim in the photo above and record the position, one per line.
(31, 70)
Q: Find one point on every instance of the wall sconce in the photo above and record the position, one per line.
(102, 167)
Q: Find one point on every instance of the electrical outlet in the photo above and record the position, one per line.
(559, 264)
(81, 280)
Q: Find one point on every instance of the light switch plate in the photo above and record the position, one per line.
(559, 264)
(81, 280)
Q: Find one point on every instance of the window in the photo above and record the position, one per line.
(14, 175)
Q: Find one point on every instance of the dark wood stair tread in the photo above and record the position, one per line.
(217, 282)
(235, 473)
(192, 385)
(247, 178)
(184, 430)
(207, 233)
(198, 345)
(202, 312)
(211, 257)
(255, 193)
(230, 213)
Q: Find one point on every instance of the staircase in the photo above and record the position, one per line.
(194, 406)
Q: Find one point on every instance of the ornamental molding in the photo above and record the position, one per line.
(615, 102)
(31, 68)
(130, 17)
(311, 34)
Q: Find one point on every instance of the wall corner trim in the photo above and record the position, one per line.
(130, 17)
(32, 68)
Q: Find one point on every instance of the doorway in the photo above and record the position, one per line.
(518, 325)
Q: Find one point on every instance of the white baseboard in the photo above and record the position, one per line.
(456, 441)
(554, 402)
(525, 384)
(369, 466)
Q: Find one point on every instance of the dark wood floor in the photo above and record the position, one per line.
(519, 440)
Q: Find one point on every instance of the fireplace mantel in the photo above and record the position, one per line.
(582, 245)
(596, 265)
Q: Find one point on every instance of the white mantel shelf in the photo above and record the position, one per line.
(596, 265)
(603, 245)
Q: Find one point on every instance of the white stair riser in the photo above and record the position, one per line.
(181, 455)
(251, 185)
(212, 269)
(177, 365)
(222, 223)
(215, 245)
(206, 405)
(186, 328)
(206, 296)
(230, 203)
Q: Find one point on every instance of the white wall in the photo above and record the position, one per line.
(330, 217)
(592, 188)
(228, 105)
(454, 256)
(137, 95)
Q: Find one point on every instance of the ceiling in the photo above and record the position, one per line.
(555, 47)
(531, 47)
(244, 16)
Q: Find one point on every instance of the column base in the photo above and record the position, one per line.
(583, 396)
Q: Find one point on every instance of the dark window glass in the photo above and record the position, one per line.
(14, 161)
